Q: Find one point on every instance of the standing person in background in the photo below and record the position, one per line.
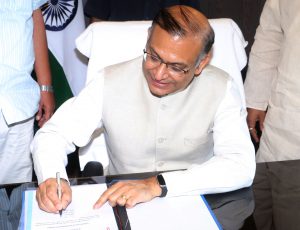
(272, 84)
(23, 46)
(120, 10)
(272, 91)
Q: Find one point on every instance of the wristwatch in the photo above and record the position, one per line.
(162, 184)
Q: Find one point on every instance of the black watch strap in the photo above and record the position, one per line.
(162, 184)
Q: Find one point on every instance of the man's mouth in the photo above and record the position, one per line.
(160, 84)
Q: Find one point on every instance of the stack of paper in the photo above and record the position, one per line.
(79, 215)
(176, 213)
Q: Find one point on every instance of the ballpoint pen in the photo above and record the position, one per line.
(58, 189)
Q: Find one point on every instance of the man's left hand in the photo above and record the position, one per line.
(129, 193)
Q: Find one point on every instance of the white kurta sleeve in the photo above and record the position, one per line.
(264, 57)
(72, 125)
(233, 164)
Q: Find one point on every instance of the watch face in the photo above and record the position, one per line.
(59, 13)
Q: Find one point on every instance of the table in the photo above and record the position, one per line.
(231, 209)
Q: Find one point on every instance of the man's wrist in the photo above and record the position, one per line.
(46, 88)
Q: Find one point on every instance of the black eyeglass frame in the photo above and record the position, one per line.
(168, 65)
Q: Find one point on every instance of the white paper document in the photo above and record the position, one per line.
(79, 215)
(176, 213)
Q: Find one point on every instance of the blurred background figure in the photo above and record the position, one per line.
(23, 46)
(272, 90)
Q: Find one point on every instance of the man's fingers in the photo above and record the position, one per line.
(47, 196)
(112, 194)
(131, 202)
(129, 193)
(45, 203)
(41, 203)
(254, 135)
(104, 197)
(44, 116)
(251, 124)
(41, 122)
(66, 194)
(261, 120)
(38, 116)
(123, 199)
(254, 116)
(48, 112)
(253, 132)
(53, 196)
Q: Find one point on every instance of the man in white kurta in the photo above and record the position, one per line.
(167, 110)
(273, 82)
(272, 91)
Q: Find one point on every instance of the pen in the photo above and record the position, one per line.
(58, 189)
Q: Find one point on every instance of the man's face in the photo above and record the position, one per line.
(181, 53)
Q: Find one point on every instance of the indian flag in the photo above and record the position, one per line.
(64, 22)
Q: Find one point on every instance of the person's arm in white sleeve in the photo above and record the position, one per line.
(264, 57)
(262, 67)
(233, 164)
(71, 125)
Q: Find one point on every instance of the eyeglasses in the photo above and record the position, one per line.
(154, 61)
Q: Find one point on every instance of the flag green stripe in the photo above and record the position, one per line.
(62, 90)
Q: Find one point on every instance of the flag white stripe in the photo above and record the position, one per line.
(62, 45)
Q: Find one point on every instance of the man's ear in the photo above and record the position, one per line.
(204, 62)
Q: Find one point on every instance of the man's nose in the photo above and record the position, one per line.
(161, 72)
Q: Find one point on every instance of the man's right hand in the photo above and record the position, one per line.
(47, 195)
(255, 115)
